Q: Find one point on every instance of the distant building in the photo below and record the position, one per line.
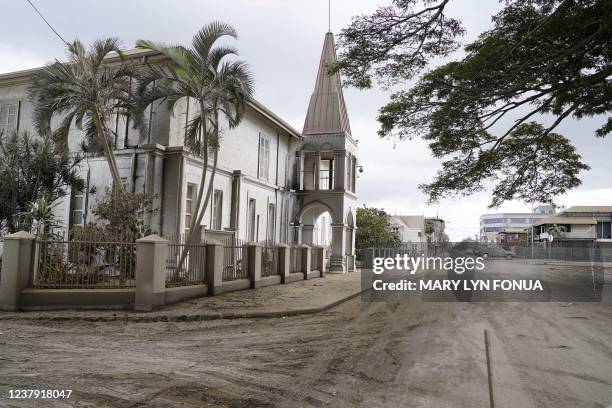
(410, 228)
(577, 223)
(417, 230)
(498, 227)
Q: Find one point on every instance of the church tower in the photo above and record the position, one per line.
(326, 165)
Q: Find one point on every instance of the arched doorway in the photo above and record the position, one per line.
(315, 221)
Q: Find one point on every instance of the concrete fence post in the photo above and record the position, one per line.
(214, 267)
(321, 260)
(16, 268)
(306, 261)
(151, 257)
(284, 262)
(254, 263)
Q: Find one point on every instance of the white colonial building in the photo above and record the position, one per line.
(273, 182)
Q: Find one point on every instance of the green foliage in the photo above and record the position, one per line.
(126, 213)
(374, 230)
(221, 88)
(540, 57)
(86, 92)
(34, 174)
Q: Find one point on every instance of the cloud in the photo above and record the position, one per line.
(282, 42)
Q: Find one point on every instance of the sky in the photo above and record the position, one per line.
(282, 41)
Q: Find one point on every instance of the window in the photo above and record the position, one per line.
(217, 210)
(77, 206)
(271, 231)
(189, 205)
(604, 230)
(349, 169)
(353, 174)
(8, 117)
(251, 220)
(264, 157)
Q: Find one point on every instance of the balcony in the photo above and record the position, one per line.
(570, 235)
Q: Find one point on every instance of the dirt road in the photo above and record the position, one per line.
(415, 354)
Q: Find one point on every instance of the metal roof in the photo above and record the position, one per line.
(327, 110)
(411, 221)
(589, 208)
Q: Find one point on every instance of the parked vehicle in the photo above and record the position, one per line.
(492, 251)
(470, 248)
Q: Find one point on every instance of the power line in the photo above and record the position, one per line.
(45, 20)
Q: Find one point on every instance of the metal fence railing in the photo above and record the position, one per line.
(1, 255)
(234, 260)
(269, 260)
(193, 268)
(96, 264)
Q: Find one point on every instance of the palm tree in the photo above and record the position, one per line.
(221, 89)
(86, 92)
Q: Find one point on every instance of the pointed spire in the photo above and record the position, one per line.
(327, 110)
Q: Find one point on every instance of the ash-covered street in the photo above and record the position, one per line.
(414, 354)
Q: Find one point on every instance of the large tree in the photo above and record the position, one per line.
(479, 112)
(86, 91)
(374, 229)
(32, 169)
(220, 87)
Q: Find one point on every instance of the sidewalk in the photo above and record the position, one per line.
(302, 297)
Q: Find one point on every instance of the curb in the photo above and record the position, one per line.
(188, 317)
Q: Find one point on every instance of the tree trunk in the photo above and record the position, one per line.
(108, 152)
(194, 222)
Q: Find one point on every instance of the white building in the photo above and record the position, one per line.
(273, 182)
(492, 225)
(410, 228)
(416, 231)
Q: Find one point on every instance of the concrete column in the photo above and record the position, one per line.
(284, 261)
(338, 256)
(17, 265)
(306, 264)
(339, 170)
(300, 169)
(214, 267)
(307, 235)
(254, 263)
(154, 170)
(317, 169)
(321, 260)
(151, 257)
(235, 204)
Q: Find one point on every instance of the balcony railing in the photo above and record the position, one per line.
(571, 235)
(326, 180)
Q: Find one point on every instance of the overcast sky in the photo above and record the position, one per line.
(282, 41)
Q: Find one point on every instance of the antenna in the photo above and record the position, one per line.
(329, 16)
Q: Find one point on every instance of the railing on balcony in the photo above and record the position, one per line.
(570, 235)
(326, 180)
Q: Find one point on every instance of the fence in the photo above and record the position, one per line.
(295, 259)
(569, 253)
(269, 260)
(193, 268)
(234, 265)
(64, 264)
(144, 274)
(1, 252)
